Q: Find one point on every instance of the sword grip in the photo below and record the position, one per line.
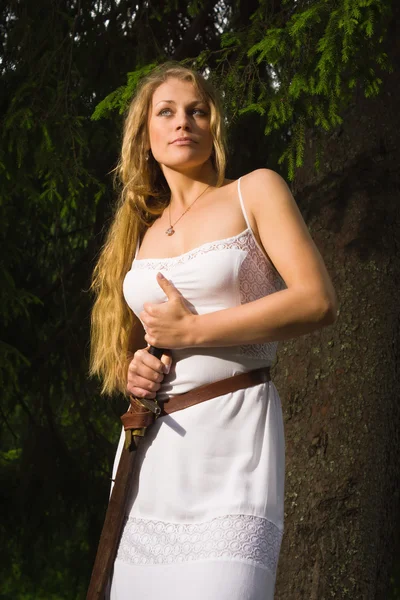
(157, 352)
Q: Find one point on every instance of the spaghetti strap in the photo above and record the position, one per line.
(242, 206)
(248, 222)
(251, 229)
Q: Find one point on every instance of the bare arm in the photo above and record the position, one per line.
(308, 303)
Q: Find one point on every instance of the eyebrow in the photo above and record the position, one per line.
(190, 103)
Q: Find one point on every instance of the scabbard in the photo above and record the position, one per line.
(113, 524)
(114, 519)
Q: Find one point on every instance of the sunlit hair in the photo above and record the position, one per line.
(144, 195)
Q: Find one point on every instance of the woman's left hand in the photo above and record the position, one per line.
(169, 324)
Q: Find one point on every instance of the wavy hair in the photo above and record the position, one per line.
(143, 197)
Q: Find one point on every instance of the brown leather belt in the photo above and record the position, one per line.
(143, 412)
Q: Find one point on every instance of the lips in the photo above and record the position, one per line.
(183, 141)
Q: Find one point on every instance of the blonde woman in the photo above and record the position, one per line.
(217, 272)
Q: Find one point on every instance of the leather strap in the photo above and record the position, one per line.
(139, 416)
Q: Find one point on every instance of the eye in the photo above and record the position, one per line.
(199, 112)
(165, 112)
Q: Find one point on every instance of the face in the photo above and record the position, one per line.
(179, 126)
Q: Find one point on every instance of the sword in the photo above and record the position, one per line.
(114, 519)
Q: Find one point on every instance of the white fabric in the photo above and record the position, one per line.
(205, 518)
(192, 581)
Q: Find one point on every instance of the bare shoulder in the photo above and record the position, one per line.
(265, 192)
(264, 176)
(264, 184)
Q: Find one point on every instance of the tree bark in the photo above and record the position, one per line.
(340, 387)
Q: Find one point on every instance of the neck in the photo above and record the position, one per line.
(186, 186)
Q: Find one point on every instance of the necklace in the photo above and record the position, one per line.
(171, 230)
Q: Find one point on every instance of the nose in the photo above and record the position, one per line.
(182, 121)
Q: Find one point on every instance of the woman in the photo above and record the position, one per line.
(195, 263)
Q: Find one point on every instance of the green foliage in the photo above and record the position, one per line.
(119, 99)
(297, 68)
(320, 54)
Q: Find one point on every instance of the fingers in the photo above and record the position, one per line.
(144, 363)
(166, 360)
(141, 387)
(138, 369)
(141, 393)
(146, 372)
(167, 286)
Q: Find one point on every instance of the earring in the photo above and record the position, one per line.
(148, 155)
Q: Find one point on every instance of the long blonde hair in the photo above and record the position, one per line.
(143, 197)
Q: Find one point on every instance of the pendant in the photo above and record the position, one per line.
(170, 231)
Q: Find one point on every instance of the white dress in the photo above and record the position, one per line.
(205, 519)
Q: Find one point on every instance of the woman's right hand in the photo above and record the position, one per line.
(146, 372)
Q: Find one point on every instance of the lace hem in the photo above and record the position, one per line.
(230, 537)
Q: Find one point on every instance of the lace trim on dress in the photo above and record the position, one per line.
(236, 242)
(257, 278)
(230, 537)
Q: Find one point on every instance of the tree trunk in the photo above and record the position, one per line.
(340, 386)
